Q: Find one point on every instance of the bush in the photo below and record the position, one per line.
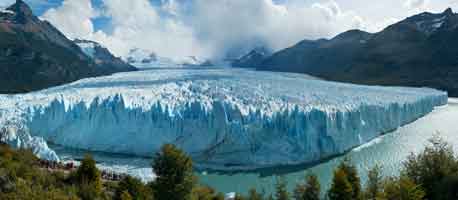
(432, 166)
(134, 187)
(402, 188)
(206, 193)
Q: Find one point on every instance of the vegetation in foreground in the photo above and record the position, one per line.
(432, 174)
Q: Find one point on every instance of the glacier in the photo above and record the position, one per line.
(225, 118)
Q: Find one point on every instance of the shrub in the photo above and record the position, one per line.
(205, 193)
(430, 167)
(134, 187)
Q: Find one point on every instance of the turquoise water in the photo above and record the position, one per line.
(387, 151)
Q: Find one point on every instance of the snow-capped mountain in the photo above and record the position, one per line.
(225, 118)
(142, 58)
(429, 23)
(196, 61)
(147, 59)
(5, 11)
(88, 47)
(102, 56)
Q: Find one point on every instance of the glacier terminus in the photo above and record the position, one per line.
(225, 118)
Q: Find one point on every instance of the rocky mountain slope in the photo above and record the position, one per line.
(103, 57)
(253, 58)
(421, 50)
(35, 55)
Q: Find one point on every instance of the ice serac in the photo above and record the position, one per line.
(224, 118)
(19, 137)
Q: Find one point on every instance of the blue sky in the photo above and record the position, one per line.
(216, 28)
(39, 7)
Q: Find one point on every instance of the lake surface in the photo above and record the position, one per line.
(388, 151)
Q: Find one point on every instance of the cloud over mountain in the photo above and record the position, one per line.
(211, 28)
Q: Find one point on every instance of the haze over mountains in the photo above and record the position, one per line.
(35, 55)
(418, 51)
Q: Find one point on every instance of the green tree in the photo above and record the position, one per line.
(353, 178)
(281, 191)
(391, 189)
(175, 179)
(88, 178)
(402, 188)
(254, 195)
(309, 190)
(374, 186)
(341, 188)
(430, 167)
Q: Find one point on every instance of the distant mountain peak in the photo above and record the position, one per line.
(448, 11)
(22, 11)
(429, 23)
(253, 58)
(350, 34)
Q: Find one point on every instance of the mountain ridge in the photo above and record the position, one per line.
(35, 55)
(419, 51)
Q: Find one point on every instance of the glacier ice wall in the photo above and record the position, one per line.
(225, 119)
(221, 136)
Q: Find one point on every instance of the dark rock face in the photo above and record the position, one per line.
(253, 58)
(35, 55)
(421, 50)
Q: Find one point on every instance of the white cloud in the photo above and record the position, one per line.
(73, 18)
(239, 24)
(171, 6)
(138, 24)
(216, 28)
(208, 28)
(416, 4)
(6, 3)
